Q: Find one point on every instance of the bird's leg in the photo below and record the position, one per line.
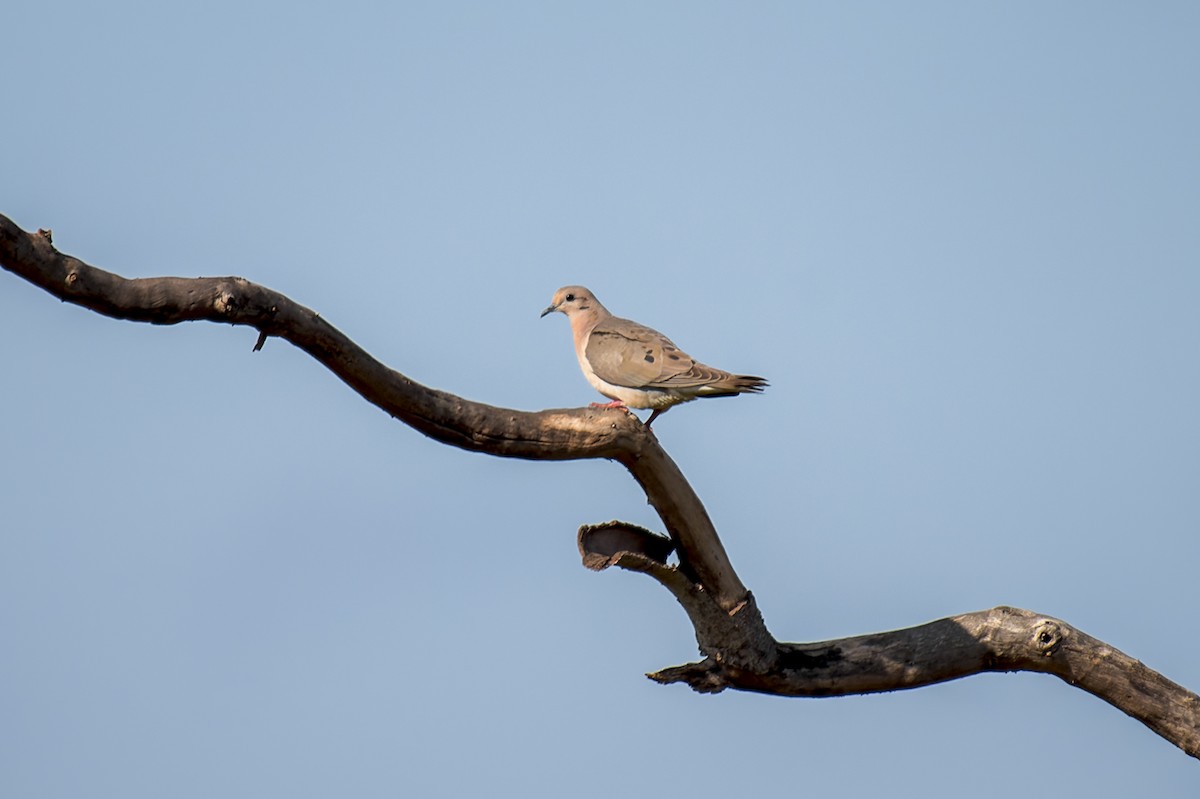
(614, 404)
(655, 415)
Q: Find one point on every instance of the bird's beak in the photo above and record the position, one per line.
(551, 309)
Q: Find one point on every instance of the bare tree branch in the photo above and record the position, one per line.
(739, 651)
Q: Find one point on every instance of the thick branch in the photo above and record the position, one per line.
(1000, 639)
(442, 416)
(739, 651)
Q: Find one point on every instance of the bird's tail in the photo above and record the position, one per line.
(733, 385)
(750, 384)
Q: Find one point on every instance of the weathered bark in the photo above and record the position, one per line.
(739, 651)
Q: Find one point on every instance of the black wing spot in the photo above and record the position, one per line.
(649, 358)
(673, 357)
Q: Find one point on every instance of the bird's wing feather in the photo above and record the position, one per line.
(625, 353)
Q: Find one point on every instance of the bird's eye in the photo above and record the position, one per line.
(570, 298)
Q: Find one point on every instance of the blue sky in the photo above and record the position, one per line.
(960, 240)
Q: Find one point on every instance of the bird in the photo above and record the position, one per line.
(636, 366)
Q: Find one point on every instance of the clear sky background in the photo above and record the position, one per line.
(962, 241)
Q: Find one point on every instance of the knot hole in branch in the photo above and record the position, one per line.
(1048, 636)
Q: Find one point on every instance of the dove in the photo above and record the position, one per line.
(638, 367)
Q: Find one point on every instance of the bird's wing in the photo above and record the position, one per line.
(625, 353)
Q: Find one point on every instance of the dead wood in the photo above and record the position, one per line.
(738, 650)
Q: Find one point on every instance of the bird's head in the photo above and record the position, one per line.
(571, 300)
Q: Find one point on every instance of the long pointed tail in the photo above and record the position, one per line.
(733, 385)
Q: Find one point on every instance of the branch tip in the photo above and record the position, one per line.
(603, 545)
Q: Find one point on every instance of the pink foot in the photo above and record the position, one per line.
(613, 404)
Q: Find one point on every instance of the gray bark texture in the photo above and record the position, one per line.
(739, 652)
